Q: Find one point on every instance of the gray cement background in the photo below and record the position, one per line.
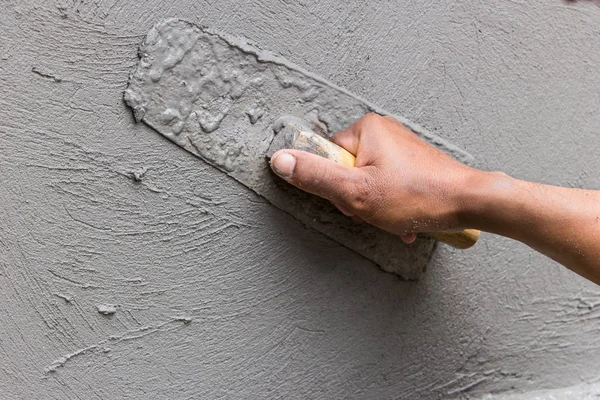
(212, 301)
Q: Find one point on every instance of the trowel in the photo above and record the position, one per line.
(222, 98)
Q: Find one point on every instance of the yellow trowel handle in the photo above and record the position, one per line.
(309, 141)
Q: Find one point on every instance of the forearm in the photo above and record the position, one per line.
(562, 223)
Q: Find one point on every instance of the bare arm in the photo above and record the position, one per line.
(404, 185)
(562, 223)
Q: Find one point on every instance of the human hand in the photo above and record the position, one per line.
(400, 183)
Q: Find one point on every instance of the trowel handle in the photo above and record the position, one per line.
(309, 141)
(459, 239)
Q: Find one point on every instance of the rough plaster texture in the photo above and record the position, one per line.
(212, 302)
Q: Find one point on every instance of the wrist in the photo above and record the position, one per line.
(483, 198)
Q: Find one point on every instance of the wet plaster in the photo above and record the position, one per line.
(213, 301)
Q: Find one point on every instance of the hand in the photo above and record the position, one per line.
(400, 183)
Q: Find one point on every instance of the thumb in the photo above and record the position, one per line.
(318, 175)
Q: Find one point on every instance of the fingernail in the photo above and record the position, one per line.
(408, 238)
(283, 164)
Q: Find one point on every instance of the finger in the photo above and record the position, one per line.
(393, 120)
(350, 138)
(343, 209)
(318, 175)
(356, 218)
(347, 138)
(408, 238)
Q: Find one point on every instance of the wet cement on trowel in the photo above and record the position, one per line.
(218, 97)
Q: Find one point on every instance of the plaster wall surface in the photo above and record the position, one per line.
(130, 269)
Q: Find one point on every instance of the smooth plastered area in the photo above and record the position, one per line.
(129, 268)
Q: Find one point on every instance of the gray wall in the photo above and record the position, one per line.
(216, 301)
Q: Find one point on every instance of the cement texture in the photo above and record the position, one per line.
(130, 269)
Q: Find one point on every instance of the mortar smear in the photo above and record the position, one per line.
(218, 97)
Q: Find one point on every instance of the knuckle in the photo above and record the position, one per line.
(362, 197)
(372, 124)
(370, 119)
(391, 119)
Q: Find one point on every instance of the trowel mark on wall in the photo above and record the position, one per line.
(101, 346)
(65, 297)
(46, 75)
